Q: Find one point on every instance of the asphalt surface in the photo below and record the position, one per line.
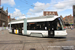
(19, 42)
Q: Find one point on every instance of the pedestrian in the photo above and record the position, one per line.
(71, 28)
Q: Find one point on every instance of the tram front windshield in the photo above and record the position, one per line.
(59, 24)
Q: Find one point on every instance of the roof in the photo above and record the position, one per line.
(36, 19)
(64, 18)
(51, 12)
(41, 17)
(68, 16)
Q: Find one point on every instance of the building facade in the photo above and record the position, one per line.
(46, 13)
(68, 20)
(74, 14)
(13, 19)
(3, 17)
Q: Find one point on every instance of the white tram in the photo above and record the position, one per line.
(44, 26)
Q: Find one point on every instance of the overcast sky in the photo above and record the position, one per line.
(33, 8)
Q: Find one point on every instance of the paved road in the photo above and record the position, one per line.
(18, 42)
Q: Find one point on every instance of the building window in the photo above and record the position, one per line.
(53, 14)
(49, 14)
(46, 14)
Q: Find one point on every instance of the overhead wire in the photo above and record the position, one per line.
(26, 2)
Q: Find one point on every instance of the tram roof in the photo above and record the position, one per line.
(30, 18)
(41, 17)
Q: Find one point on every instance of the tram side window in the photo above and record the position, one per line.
(28, 27)
(31, 26)
(12, 26)
(40, 26)
(43, 26)
(20, 26)
(17, 26)
(36, 26)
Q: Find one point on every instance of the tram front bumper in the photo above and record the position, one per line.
(61, 33)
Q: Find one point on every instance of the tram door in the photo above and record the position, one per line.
(12, 30)
(17, 27)
(12, 26)
(51, 29)
(20, 26)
